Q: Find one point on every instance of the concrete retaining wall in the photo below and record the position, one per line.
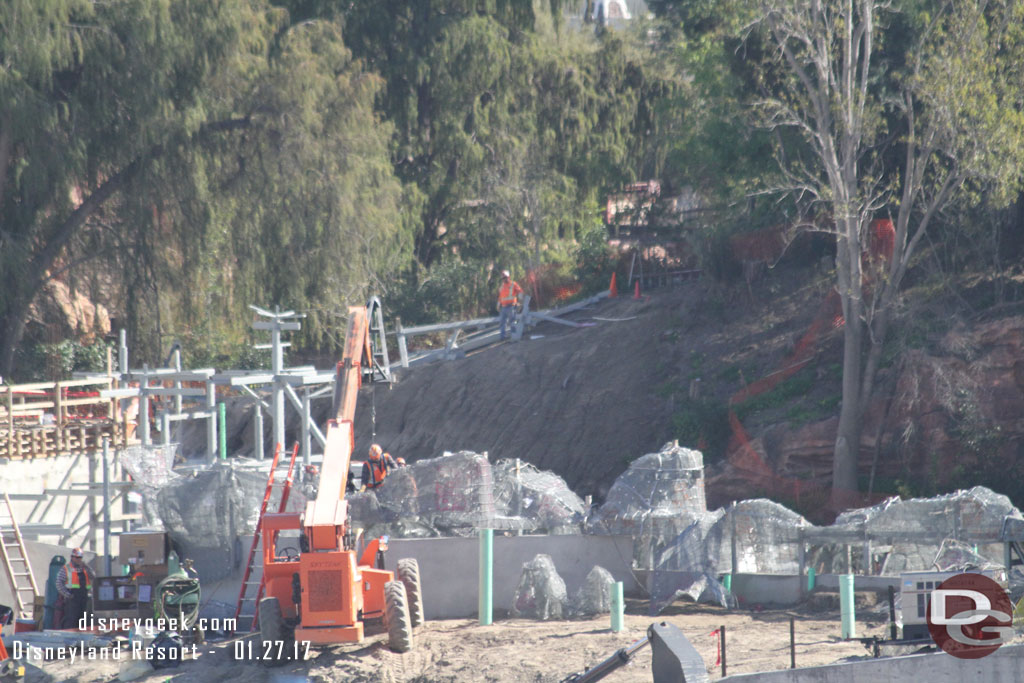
(449, 566)
(1005, 665)
(33, 476)
(19, 477)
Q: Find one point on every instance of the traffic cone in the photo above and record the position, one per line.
(636, 290)
(613, 290)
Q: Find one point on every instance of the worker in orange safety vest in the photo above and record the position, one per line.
(74, 588)
(376, 468)
(508, 297)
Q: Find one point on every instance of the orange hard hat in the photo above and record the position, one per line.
(401, 460)
(375, 451)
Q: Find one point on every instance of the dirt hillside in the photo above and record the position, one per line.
(584, 402)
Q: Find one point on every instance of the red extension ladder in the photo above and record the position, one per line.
(246, 596)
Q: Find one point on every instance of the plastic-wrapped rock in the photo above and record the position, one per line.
(541, 592)
(205, 514)
(364, 510)
(766, 537)
(958, 556)
(594, 596)
(453, 494)
(540, 499)
(977, 512)
(654, 501)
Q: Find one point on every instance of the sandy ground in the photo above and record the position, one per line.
(520, 650)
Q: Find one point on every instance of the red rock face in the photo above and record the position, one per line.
(956, 416)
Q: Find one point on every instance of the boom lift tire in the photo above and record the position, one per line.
(396, 615)
(409, 574)
(275, 636)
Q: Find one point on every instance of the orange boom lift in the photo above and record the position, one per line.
(323, 593)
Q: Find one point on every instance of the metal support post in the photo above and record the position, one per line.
(211, 425)
(165, 429)
(732, 542)
(257, 426)
(106, 507)
(122, 353)
(846, 594)
(485, 606)
(403, 349)
(177, 385)
(144, 406)
(618, 606)
(93, 519)
(222, 429)
(277, 365)
(305, 427)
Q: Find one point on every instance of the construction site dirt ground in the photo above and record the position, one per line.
(523, 650)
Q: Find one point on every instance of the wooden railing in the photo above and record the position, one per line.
(48, 419)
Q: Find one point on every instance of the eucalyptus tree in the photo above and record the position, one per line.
(895, 106)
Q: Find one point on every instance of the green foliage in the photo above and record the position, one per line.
(791, 388)
(453, 288)
(220, 154)
(594, 260)
(702, 424)
(236, 356)
(57, 361)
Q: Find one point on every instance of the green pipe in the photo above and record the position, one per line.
(617, 606)
(846, 605)
(810, 579)
(727, 582)
(486, 603)
(222, 432)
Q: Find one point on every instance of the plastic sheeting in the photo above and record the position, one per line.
(209, 517)
(666, 587)
(150, 469)
(977, 512)
(956, 555)
(149, 466)
(594, 595)
(459, 493)
(448, 496)
(541, 499)
(919, 526)
(541, 591)
(654, 501)
(763, 535)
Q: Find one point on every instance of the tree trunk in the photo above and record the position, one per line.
(847, 446)
(14, 329)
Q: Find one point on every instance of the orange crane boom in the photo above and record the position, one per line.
(328, 512)
(323, 593)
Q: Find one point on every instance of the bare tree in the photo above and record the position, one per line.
(955, 115)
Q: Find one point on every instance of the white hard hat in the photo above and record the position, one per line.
(505, 273)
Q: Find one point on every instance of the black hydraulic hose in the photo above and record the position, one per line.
(603, 668)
